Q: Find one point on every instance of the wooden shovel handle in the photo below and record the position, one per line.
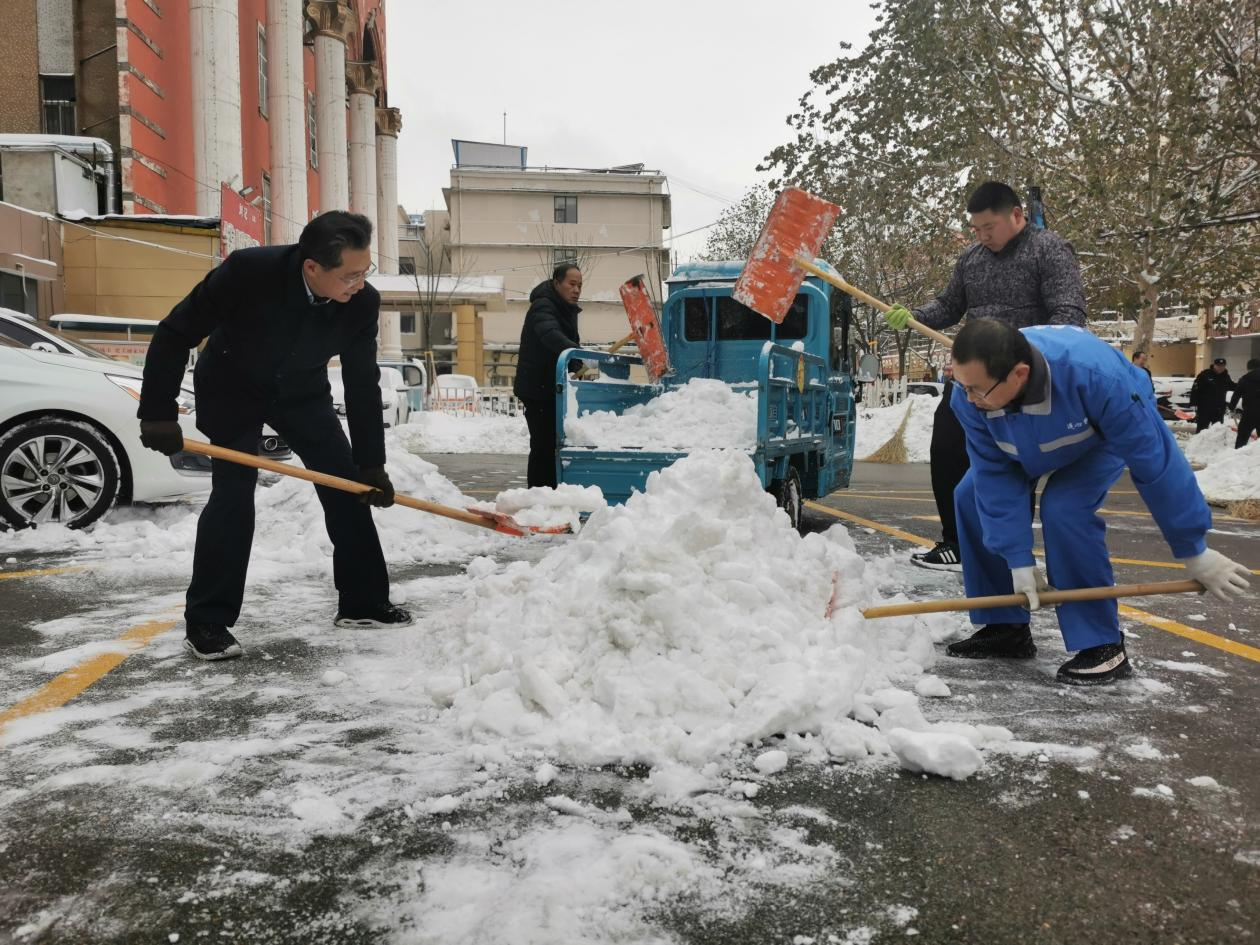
(870, 300)
(346, 485)
(617, 346)
(1049, 597)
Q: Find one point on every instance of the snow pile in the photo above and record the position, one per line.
(437, 432)
(289, 535)
(544, 506)
(1216, 442)
(877, 425)
(702, 414)
(680, 626)
(1232, 477)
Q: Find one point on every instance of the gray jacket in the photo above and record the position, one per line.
(1034, 280)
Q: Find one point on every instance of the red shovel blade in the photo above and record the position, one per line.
(797, 225)
(646, 328)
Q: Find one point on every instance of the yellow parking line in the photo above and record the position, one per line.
(69, 684)
(42, 572)
(892, 496)
(1160, 623)
(1190, 633)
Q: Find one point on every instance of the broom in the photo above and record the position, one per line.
(894, 451)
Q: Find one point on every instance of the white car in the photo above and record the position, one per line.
(70, 441)
(395, 409)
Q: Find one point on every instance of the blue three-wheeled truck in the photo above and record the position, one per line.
(799, 368)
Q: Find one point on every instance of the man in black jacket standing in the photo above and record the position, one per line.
(1208, 394)
(551, 327)
(1247, 390)
(275, 316)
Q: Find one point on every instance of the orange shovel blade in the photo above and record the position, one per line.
(797, 225)
(646, 328)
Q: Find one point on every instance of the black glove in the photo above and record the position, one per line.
(165, 436)
(382, 494)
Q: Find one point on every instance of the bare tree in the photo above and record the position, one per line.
(438, 278)
(553, 242)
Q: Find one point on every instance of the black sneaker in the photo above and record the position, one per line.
(944, 557)
(1096, 666)
(1012, 641)
(385, 615)
(211, 641)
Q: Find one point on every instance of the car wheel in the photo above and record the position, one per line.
(787, 493)
(56, 472)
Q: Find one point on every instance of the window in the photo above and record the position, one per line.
(406, 266)
(736, 322)
(17, 293)
(262, 70)
(407, 325)
(563, 255)
(57, 97)
(266, 209)
(311, 137)
(20, 333)
(566, 209)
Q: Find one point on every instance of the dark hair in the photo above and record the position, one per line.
(325, 237)
(562, 270)
(996, 345)
(993, 195)
(1136, 354)
(1253, 364)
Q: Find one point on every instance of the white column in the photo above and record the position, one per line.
(286, 120)
(364, 78)
(388, 124)
(332, 18)
(214, 42)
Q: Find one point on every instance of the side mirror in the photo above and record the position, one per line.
(46, 346)
(868, 367)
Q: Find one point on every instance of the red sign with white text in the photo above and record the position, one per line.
(240, 223)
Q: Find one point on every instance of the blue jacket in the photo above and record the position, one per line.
(1082, 395)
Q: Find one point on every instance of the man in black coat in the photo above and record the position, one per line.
(1208, 395)
(275, 316)
(1247, 390)
(551, 327)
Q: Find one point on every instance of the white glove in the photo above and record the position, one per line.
(1218, 574)
(1030, 582)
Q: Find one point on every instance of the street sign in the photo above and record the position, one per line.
(240, 223)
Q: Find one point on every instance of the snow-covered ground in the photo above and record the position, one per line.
(1232, 476)
(433, 431)
(877, 425)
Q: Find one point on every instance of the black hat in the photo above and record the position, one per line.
(1218, 360)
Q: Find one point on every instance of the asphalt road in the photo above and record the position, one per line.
(1075, 843)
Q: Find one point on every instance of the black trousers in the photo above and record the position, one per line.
(225, 530)
(948, 454)
(1248, 424)
(540, 417)
(1205, 417)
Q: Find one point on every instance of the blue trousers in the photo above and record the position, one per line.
(1076, 550)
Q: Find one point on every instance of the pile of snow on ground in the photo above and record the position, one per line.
(682, 625)
(1234, 476)
(877, 425)
(1214, 443)
(702, 414)
(437, 432)
(544, 506)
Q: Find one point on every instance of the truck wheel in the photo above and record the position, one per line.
(56, 471)
(787, 493)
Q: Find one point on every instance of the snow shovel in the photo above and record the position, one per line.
(785, 252)
(646, 328)
(1048, 597)
(495, 521)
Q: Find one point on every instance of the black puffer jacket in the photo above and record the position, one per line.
(551, 326)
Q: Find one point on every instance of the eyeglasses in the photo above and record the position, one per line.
(359, 277)
(970, 391)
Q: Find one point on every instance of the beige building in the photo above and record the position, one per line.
(511, 220)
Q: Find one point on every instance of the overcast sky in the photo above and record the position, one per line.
(698, 89)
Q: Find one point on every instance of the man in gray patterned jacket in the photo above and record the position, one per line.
(1016, 273)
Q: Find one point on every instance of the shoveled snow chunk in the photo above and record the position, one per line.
(932, 687)
(1204, 781)
(942, 753)
(771, 762)
(545, 773)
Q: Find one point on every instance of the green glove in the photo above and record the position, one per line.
(897, 317)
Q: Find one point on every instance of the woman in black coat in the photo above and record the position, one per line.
(551, 326)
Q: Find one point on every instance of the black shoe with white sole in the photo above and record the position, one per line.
(211, 641)
(385, 615)
(1012, 641)
(1096, 666)
(944, 557)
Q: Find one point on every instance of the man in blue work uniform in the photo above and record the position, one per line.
(1056, 401)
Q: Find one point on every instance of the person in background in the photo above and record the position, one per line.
(1015, 273)
(550, 327)
(1139, 358)
(1247, 390)
(1208, 395)
(1056, 401)
(275, 316)
(948, 465)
